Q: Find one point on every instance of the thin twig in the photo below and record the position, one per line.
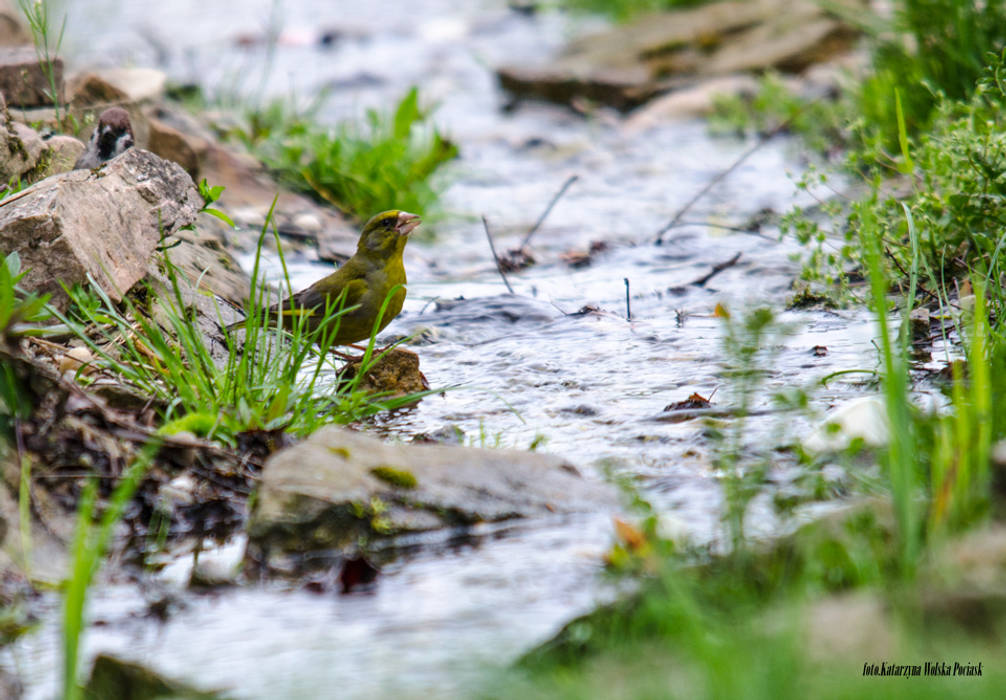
(765, 138)
(492, 247)
(904, 272)
(726, 227)
(717, 269)
(628, 309)
(541, 219)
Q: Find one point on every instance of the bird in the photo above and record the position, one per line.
(360, 285)
(112, 136)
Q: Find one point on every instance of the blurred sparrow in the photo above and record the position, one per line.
(111, 137)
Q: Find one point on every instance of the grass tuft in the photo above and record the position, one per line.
(390, 162)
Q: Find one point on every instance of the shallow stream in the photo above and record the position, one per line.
(526, 364)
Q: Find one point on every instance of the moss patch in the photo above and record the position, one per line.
(395, 477)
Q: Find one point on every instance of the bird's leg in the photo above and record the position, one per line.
(376, 352)
(344, 356)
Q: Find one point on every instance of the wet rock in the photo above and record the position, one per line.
(447, 435)
(22, 80)
(790, 41)
(104, 223)
(507, 308)
(580, 410)
(626, 65)
(218, 566)
(622, 88)
(114, 678)
(343, 489)
(918, 321)
(395, 374)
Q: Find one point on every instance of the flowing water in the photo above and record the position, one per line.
(527, 365)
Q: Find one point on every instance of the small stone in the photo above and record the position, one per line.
(179, 491)
(20, 152)
(74, 359)
(393, 375)
(918, 322)
(219, 566)
(63, 153)
(307, 222)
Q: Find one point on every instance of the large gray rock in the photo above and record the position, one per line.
(342, 489)
(104, 222)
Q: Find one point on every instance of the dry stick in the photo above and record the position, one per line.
(717, 269)
(628, 310)
(719, 178)
(541, 219)
(492, 247)
(905, 273)
(727, 227)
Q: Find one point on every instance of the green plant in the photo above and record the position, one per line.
(388, 163)
(931, 49)
(821, 124)
(90, 541)
(748, 344)
(902, 463)
(623, 10)
(19, 312)
(46, 47)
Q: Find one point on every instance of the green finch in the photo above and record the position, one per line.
(360, 285)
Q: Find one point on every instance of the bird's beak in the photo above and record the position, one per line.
(407, 222)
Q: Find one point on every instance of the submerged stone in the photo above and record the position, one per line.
(114, 678)
(336, 491)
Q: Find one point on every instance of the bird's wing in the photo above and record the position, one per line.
(314, 299)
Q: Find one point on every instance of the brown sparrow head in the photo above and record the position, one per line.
(112, 136)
